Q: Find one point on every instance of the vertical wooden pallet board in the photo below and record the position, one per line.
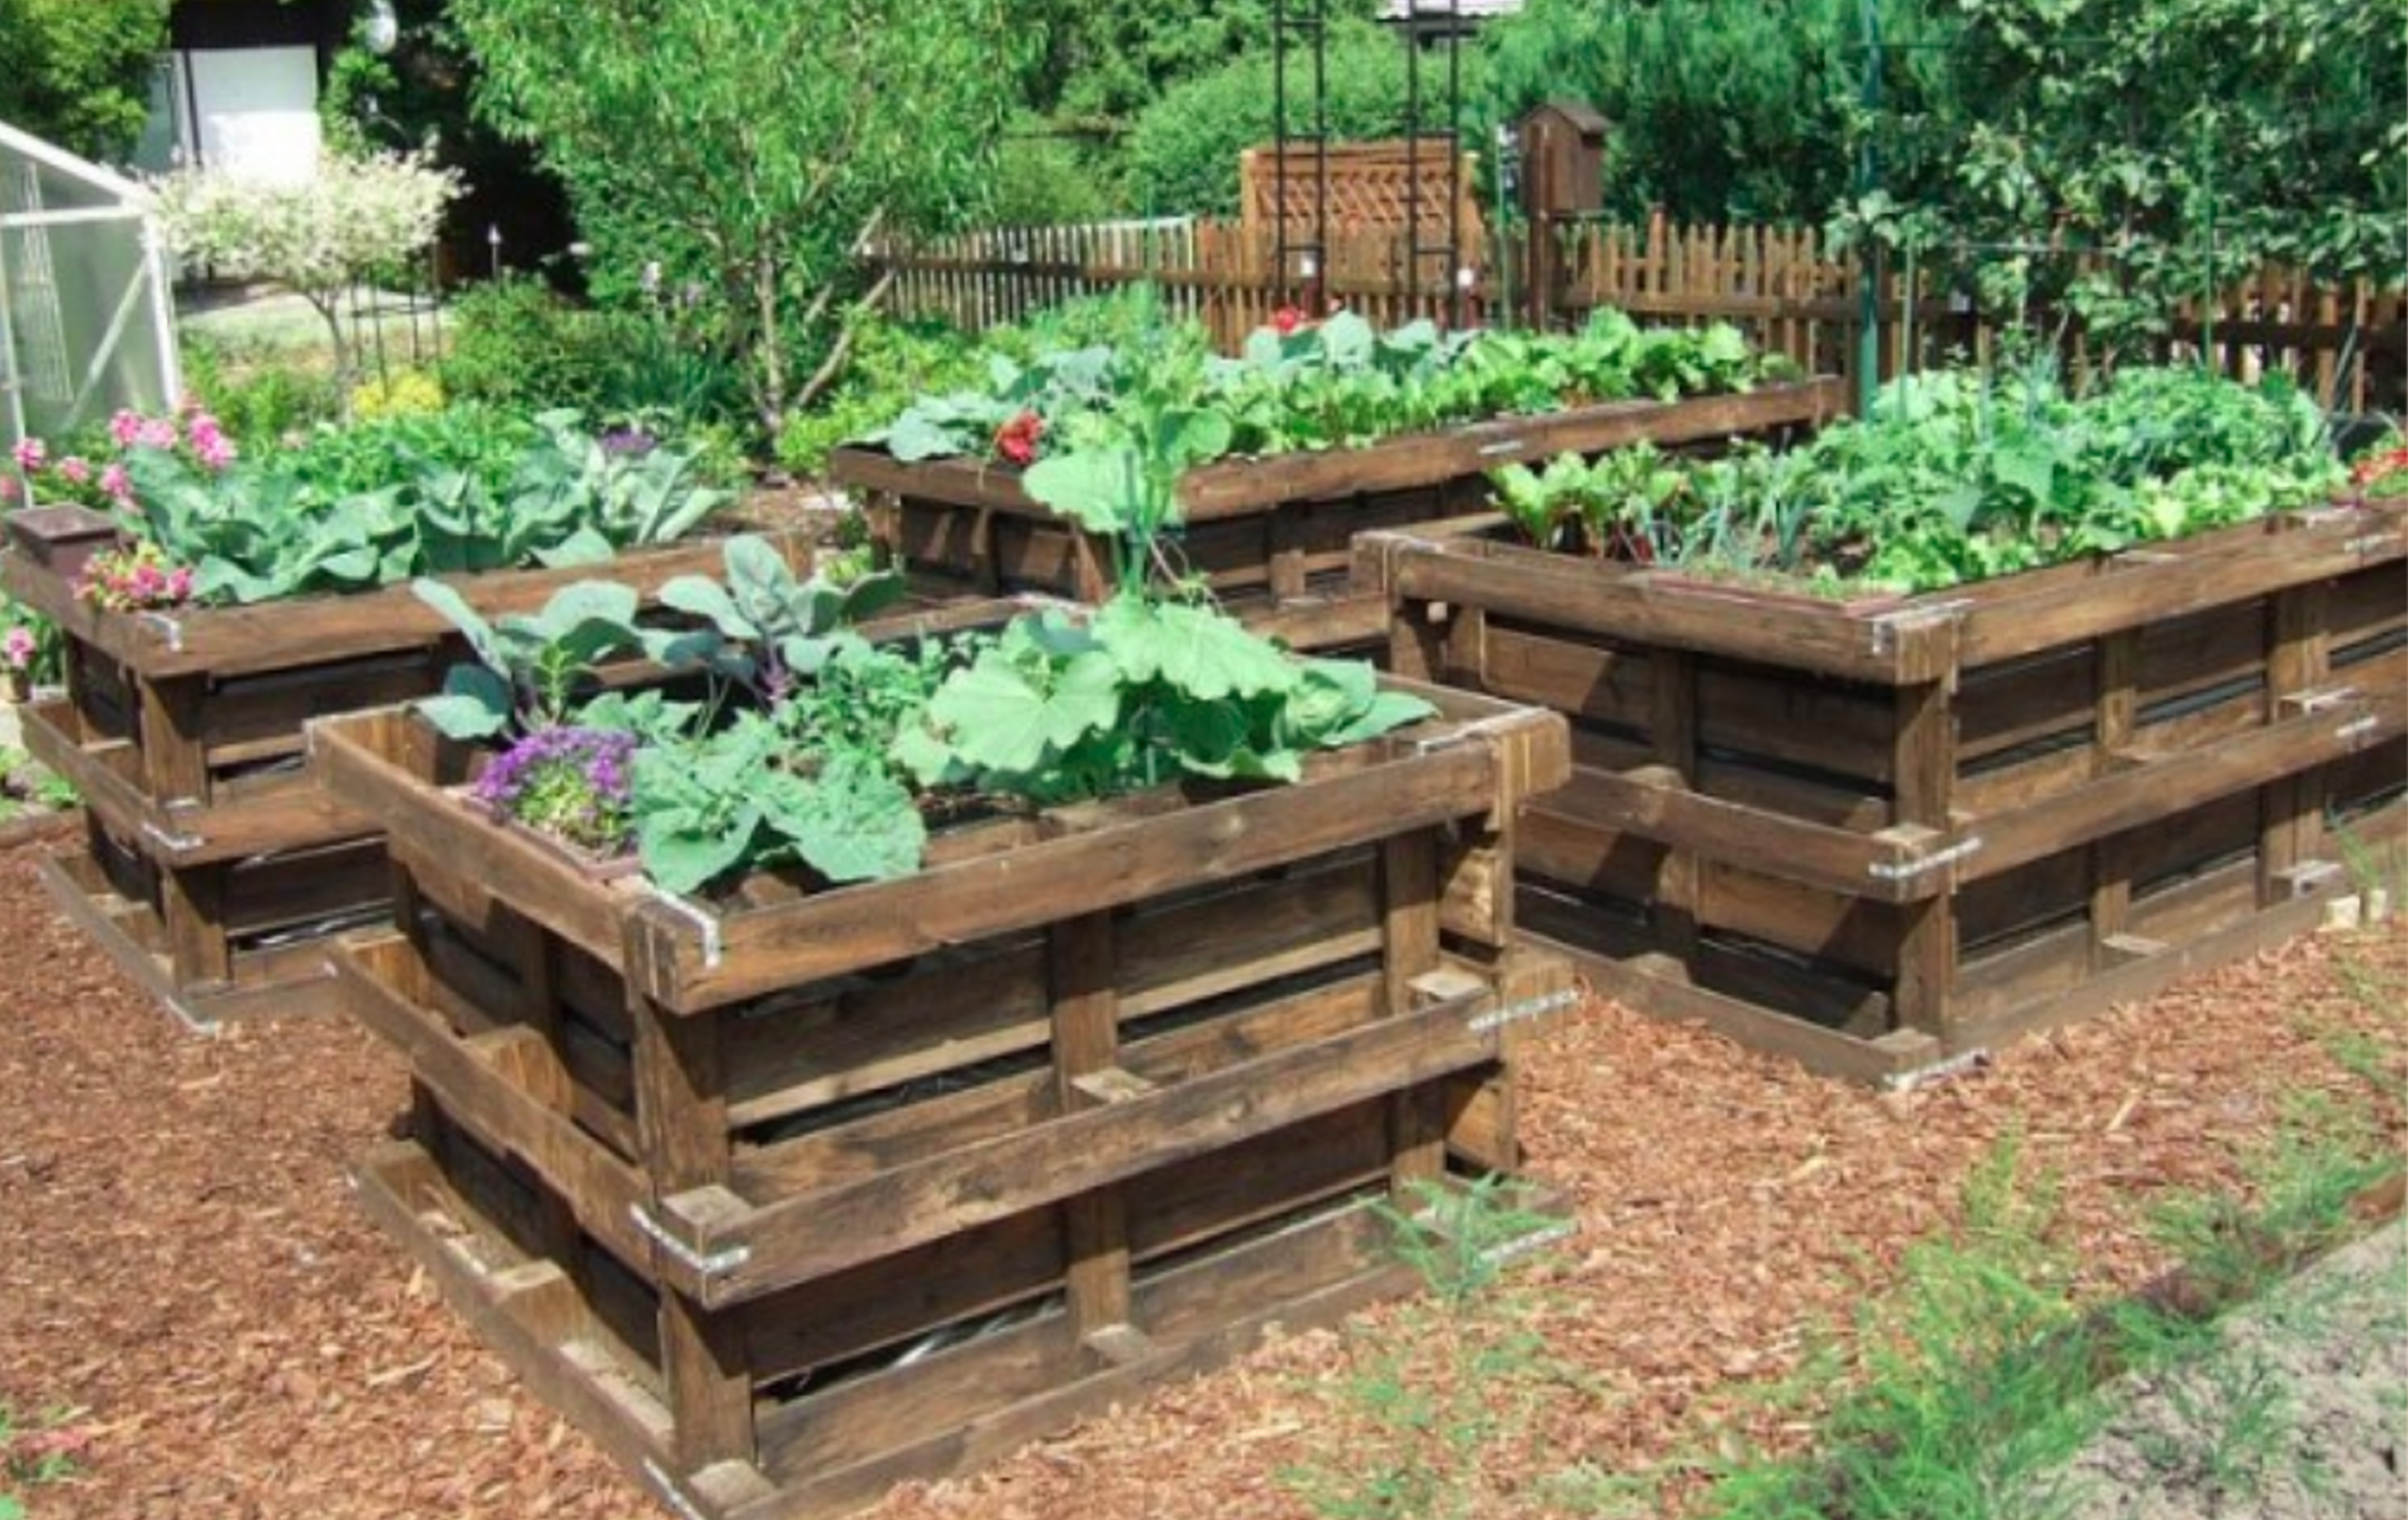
(797, 1193)
(1886, 835)
(183, 732)
(1273, 538)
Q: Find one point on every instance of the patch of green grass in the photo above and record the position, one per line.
(1973, 1382)
(1433, 1396)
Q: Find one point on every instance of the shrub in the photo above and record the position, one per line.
(255, 396)
(513, 343)
(894, 364)
(1183, 155)
(1046, 181)
(404, 393)
(354, 219)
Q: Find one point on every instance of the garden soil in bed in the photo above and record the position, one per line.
(182, 1263)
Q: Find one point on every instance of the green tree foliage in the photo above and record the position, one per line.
(2190, 139)
(1719, 109)
(736, 153)
(2194, 138)
(78, 72)
(1183, 155)
(1106, 61)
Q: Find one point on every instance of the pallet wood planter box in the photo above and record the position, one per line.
(1271, 536)
(792, 1196)
(212, 865)
(1885, 835)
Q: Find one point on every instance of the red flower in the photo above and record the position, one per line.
(1286, 320)
(2376, 466)
(1016, 441)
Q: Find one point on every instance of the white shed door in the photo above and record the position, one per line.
(257, 109)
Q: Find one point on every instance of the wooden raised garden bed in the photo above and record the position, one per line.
(1882, 835)
(212, 868)
(1271, 536)
(797, 1195)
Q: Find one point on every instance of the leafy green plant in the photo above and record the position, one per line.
(1333, 384)
(774, 630)
(748, 797)
(296, 522)
(1952, 478)
(1149, 688)
(513, 343)
(530, 667)
(259, 396)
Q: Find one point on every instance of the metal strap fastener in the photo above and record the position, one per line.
(1886, 626)
(174, 844)
(2369, 544)
(1899, 870)
(1434, 1218)
(707, 923)
(2309, 702)
(1529, 1007)
(2353, 731)
(1464, 733)
(670, 1494)
(1955, 1066)
(706, 1266)
(169, 628)
(1504, 446)
(1521, 1245)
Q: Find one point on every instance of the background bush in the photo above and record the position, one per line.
(1182, 157)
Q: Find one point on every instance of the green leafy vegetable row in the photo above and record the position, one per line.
(815, 748)
(1334, 383)
(1954, 477)
(294, 522)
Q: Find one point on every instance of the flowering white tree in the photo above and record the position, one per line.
(320, 237)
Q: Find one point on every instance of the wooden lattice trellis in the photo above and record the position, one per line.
(1367, 189)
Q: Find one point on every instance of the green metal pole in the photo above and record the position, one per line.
(2207, 278)
(1868, 297)
(1498, 246)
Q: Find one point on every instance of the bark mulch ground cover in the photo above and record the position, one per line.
(182, 1266)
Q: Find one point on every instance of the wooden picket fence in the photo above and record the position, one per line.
(1790, 293)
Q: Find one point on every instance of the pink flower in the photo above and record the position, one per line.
(125, 427)
(180, 584)
(75, 470)
(30, 455)
(18, 647)
(117, 483)
(157, 435)
(216, 450)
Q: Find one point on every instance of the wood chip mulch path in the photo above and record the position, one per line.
(182, 1265)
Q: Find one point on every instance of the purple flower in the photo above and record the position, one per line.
(572, 783)
(18, 647)
(30, 455)
(628, 442)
